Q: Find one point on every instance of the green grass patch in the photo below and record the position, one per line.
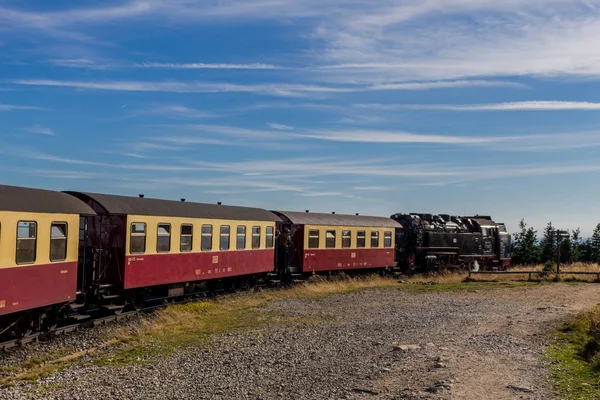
(575, 356)
(464, 286)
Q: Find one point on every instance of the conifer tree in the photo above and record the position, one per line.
(576, 245)
(595, 245)
(524, 247)
(548, 244)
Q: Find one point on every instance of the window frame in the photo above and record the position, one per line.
(182, 235)
(346, 235)
(387, 235)
(270, 237)
(221, 235)
(65, 238)
(158, 235)
(375, 235)
(209, 235)
(132, 234)
(311, 235)
(258, 235)
(327, 239)
(361, 235)
(238, 235)
(28, 238)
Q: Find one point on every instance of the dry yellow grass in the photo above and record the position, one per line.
(564, 273)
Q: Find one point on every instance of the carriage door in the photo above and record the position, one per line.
(85, 262)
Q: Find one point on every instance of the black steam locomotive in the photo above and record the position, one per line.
(434, 242)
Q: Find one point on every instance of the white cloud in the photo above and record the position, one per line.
(207, 66)
(282, 89)
(445, 85)
(12, 107)
(276, 89)
(280, 126)
(78, 63)
(177, 112)
(40, 129)
(378, 42)
(379, 136)
(508, 106)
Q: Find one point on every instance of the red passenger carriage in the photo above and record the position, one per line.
(328, 242)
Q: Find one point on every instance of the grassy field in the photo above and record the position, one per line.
(176, 327)
(575, 356)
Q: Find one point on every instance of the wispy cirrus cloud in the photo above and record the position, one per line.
(377, 42)
(280, 127)
(278, 89)
(40, 130)
(207, 66)
(176, 112)
(445, 85)
(507, 106)
(13, 107)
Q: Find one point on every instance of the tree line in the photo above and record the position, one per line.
(528, 249)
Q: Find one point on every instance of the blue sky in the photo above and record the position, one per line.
(441, 106)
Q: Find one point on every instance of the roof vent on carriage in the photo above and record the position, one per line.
(219, 203)
(182, 200)
(306, 210)
(141, 196)
(333, 212)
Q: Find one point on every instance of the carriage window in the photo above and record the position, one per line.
(58, 242)
(187, 235)
(361, 239)
(330, 239)
(346, 239)
(163, 240)
(387, 239)
(241, 237)
(207, 237)
(313, 239)
(374, 239)
(256, 237)
(137, 243)
(270, 238)
(224, 238)
(26, 242)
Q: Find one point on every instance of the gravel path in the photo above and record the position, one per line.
(376, 344)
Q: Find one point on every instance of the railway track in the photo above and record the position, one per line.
(40, 336)
(153, 305)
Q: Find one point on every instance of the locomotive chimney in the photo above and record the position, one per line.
(141, 196)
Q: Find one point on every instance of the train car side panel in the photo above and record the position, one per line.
(161, 269)
(24, 288)
(38, 260)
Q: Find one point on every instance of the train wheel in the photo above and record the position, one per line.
(24, 326)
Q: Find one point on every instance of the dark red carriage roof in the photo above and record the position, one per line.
(24, 199)
(125, 205)
(309, 218)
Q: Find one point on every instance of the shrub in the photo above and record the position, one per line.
(550, 266)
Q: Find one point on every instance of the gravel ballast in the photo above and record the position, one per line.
(374, 344)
